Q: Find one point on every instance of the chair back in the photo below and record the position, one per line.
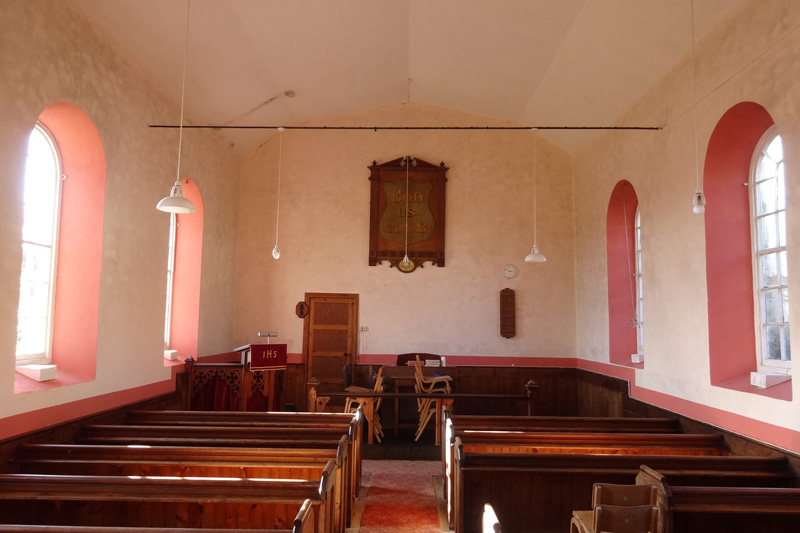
(625, 518)
(347, 374)
(613, 494)
(378, 385)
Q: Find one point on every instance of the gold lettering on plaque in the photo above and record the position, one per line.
(415, 213)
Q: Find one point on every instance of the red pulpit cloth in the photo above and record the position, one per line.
(267, 357)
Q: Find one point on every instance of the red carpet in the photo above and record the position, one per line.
(400, 497)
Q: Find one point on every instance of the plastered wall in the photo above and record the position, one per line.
(754, 56)
(49, 53)
(324, 237)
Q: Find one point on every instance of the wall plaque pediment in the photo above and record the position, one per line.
(407, 212)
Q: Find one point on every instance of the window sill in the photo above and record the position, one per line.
(628, 364)
(23, 384)
(782, 391)
(174, 362)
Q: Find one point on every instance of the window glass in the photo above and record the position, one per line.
(768, 198)
(173, 231)
(42, 194)
(639, 294)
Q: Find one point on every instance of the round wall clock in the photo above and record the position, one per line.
(509, 271)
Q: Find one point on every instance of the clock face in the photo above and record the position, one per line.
(509, 271)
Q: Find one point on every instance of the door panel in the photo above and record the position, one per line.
(330, 338)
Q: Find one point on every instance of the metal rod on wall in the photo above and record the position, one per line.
(376, 128)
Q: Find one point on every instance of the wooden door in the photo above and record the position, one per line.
(330, 338)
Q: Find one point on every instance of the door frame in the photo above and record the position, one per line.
(352, 328)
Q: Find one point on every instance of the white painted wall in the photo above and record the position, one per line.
(324, 237)
(49, 53)
(754, 56)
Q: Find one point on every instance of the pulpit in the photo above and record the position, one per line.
(250, 380)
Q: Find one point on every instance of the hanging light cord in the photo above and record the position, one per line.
(534, 188)
(278, 209)
(694, 106)
(183, 89)
(405, 215)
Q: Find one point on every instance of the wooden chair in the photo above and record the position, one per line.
(427, 407)
(614, 495)
(432, 383)
(351, 405)
(625, 518)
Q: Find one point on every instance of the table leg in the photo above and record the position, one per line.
(369, 404)
(396, 415)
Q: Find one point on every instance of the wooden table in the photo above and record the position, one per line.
(441, 398)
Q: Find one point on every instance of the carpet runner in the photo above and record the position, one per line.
(401, 497)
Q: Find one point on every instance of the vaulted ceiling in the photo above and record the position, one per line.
(535, 62)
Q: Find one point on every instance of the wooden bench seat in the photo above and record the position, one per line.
(106, 432)
(516, 442)
(164, 502)
(291, 436)
(117, 460)
(563, 424)
(538, 492)
(32, 528)
(219, 418)
(549, 424)
(712, 508)
(351, 423)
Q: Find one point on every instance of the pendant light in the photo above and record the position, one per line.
(534, 256)
(406, 265)
(175, 202)
(276, 252)
(698, 198)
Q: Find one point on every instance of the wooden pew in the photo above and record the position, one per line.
(164, 502)
(537, 492)
(119, 460)
(303, 523)
(560, 424)
(563, 424)
(219, 418)
(711, 508)
(575, 443)
(252, 430)
(110, 433)
(122, 529)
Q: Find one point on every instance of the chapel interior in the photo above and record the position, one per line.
(598, 199)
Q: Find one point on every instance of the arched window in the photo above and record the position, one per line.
(768, 210)
(732, 264)
(181, 327)
(639, 284)
(623, 262)
(42, 209)
(77, 234)
(173, 230)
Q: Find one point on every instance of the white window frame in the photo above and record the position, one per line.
(173, 233)
(767, 365)
(637, 239)
(46, 356)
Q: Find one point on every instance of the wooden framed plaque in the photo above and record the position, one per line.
(407, 212)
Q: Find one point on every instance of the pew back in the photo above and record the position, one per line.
(167, 502)
(712, 508)
(538, 492)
